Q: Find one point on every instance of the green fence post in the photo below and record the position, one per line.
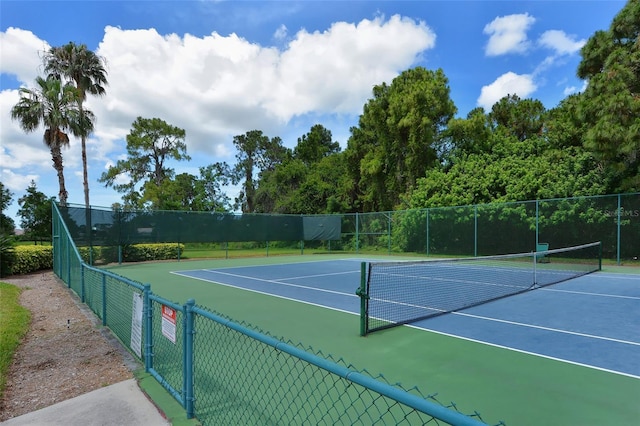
(389, 233)
(104, 300)
(618, 230)
(147, 310)
(188, 358)
(537, 222)
(68, 263)
(475, 230)
(119, 255)
(427, 232)
(357, 236)
(82, 282)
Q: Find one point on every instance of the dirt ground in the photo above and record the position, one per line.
(64, 354)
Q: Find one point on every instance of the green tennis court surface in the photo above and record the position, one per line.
(535, 371)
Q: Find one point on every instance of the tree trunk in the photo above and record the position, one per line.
(56, 155)
(85, 173)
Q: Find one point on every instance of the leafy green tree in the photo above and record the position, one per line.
(278, 188)
(315, 145)
(7, 225)
(398, 137)
(522, 118)
(563, 127)
(464, 136)
(52, 105)
(36, 214)
(86, 70)
(326, 188)
(311, 181)
(513, 171)
(256, 154)
(610, 105)
(188, 192)
(150, 144)
(212, 178)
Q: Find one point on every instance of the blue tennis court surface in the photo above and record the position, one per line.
(592, 320)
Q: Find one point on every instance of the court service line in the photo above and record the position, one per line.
(266, 293)
(302, 277)
(556, 330)
(587, 293)
(269, 281)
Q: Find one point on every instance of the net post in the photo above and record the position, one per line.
(362, 292)
(599, 255)
(535, 267)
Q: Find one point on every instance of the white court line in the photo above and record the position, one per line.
(266, 293)
(555, 330)
(586, 293)
(421, 328)
(269, 281)
(510, 348)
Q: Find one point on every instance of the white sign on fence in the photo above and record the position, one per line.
(136, 325)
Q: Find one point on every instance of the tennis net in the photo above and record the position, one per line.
(396, 293)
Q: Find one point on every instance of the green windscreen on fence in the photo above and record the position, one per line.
(475, 230)
(120, 227)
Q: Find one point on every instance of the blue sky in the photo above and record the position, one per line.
(221, 68)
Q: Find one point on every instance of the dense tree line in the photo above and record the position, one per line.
(408, 150)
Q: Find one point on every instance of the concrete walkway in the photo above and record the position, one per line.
(120, 404)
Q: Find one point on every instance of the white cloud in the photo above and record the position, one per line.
(573, 89)
(219, 86)
(20, 54)
(214, 87)
(281, 32)
(560, 42)
(16, 182)
(507, 84)
(508, 34)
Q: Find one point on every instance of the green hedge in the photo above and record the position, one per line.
(144, 252)
(31, 259)
(35, 258)
(133, 252)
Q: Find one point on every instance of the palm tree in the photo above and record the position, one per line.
(85, 68)
(54, 106)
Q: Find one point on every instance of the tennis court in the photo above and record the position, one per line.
(564, 354)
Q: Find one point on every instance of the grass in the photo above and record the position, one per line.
(14, 323)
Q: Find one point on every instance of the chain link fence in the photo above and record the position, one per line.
(475, 230)
(224, 372)
(501, 228)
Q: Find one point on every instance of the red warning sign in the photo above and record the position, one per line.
(169, 316)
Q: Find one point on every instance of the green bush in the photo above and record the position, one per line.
(32, 258)
(26, 259)
(7, 255)
(145, 252)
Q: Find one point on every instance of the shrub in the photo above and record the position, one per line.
(32, 258)
(7, 254)
(144, 252)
